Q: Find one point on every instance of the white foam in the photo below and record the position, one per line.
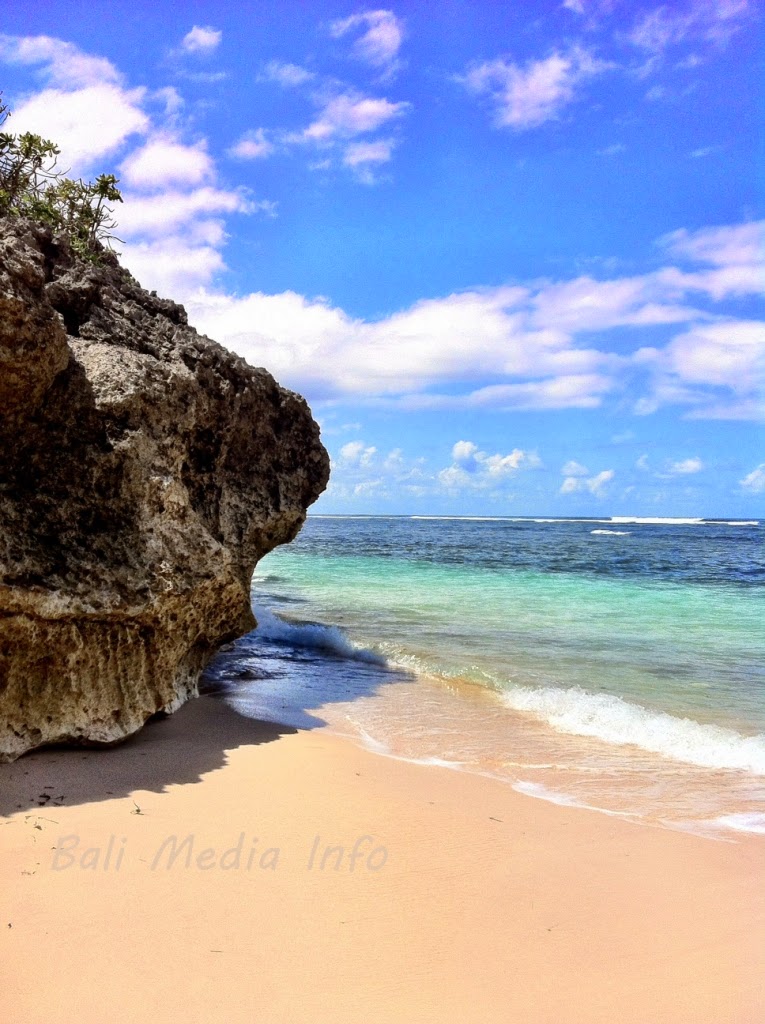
(312, 635)
(379, 747)
(613, 533)
(747, 821)
(657, 520)
(466, 519)
(614, 720)
(554, 796)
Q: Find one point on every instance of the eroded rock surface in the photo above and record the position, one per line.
(144, 470)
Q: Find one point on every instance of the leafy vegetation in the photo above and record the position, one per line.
(30, 186)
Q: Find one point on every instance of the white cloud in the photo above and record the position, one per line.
(365, 157)
(88, 123)
(686, 466)
(584, 304)
(85, 109)
(511, 347)
(642, 463)
(64, 64)
(596, 485)
(287, 75)
(464, 452)
(717, 369)
(713, 21)
(379, 43)
(456, 339)
(252, 146)
(201, 39)
(726, 245)
(360, 470)
(173, 265)
(349, 114)
(527, 96)
(573, 468)
(358, 153)
(158, 214)
(755, 481)
(474, 468)
(164, 161)
(729, 354)
(357, 453)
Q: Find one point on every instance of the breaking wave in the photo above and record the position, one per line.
(614, 720)
(328, 639)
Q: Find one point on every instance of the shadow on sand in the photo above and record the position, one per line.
(271, 688)
(173, 750)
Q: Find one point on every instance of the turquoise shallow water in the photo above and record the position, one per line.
(616, 664)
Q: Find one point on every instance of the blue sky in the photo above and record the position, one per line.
(512, 254)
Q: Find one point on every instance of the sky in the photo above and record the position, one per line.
(511, 253)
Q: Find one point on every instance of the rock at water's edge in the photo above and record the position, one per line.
(144, 470)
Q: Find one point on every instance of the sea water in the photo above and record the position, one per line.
(609, 663)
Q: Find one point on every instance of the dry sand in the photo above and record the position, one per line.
(467, 902)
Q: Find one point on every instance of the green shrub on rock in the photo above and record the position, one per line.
(30, 186)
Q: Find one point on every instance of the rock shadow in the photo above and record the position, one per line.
(174, 750)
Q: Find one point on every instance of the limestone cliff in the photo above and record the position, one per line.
(144, 470)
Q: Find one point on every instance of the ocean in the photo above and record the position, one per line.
(615, 663)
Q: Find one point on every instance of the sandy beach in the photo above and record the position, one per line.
(193, 874)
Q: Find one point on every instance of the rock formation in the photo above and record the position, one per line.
(144, 470)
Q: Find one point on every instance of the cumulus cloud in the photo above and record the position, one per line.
(585, 304)
(62, 64)
(201, 39)
(175, 233)
(85, 106)
(360, 470)
(287, 75)
(457, 339)
(736, 254)
(729, 354)
(349, 114)
(525, 346)
(164, 161)
(87, 124)
(596, 485)
(525, 96)
(474, 468)
(365, 157)
(356, 453)
(252, 145)
(686, 466)
(574, 468)
(166, 211)
(173, 264)
(380, 39)
(359, 153)
(524, 339)
(755, 481)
